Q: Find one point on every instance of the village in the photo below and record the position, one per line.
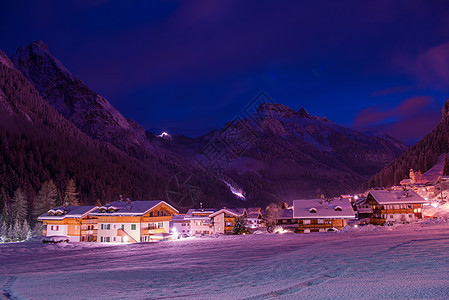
(421, 196)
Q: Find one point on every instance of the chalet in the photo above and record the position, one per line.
(320, 215)
(254, 217)
(180, 225)
(71, 221)
(200, 223)
(391, 206)
(285, 218)
(133, 221)
(223, 220)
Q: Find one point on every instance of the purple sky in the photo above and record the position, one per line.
(370, 65)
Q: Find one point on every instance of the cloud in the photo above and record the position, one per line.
(410, 120)
(430, 68)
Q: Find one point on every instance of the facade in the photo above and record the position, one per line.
(73, 222)
(320, 215)
(200, 223)
(133, 221)
(254, 217)
(392, 206)
(180, 225)
(223, 220)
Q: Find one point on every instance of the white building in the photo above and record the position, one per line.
(200, 223)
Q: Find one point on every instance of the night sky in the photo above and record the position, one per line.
(369, 65)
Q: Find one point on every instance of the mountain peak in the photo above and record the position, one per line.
(39, 44)
(275, 109)
(4, 60)
(303, 113)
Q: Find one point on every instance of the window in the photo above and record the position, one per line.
(101, 226)
(391, 216)
(410, 215)
(114, 238)
(114, 226)
(320, 221)
(338, 208)
(410, 206)
(306, 221)
(312, 210)
(151, 213)
(76, 227)
(133, 226)
(101, 239)
(123, 226)
(160, 225)
(57, 228)
(108, 239)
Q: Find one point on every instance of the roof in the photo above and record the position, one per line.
(237, 212)
(394, 197)
(63, 212)
(194, 213)
(128, 208)
(178, 218)
(285, 214)
(319, 208)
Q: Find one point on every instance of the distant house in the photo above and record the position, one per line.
(254, 217)
(391, 206)
(71, 221)
(319, 215)
(285, 218)
(200, 223)
(223, 220)
(133, 221)
(180, 224)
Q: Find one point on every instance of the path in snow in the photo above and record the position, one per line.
(384, 263)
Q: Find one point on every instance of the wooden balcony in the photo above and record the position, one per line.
(147, 231)
(156, 219)
(396, 211)
(89, 221)
(303, 226)
(89, 232)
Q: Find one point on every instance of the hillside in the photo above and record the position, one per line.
(421, 157)
(37, 144)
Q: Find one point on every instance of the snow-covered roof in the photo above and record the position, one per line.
(286, 214)
(178, 218)
(396, 196)
(199, 213)
(319, 208)
(237, 212)
(62, 212)
(128, 208)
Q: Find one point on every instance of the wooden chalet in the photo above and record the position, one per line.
(320, 215)
(73, 222)
(392, 206)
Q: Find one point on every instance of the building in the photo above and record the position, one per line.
(180, 225)
(320, 215)
(391, 206)
(254, 217)
(73, 222)
(223, 220)
(200, 223)
(133, 221)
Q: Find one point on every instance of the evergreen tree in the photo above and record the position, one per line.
(71, 195)
(446, 166)
(46, 198)
(25, 231)
(15, 235)
(3, 230)
(240, 226)
(19, 205)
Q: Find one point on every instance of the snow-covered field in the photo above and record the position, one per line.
(403, 261)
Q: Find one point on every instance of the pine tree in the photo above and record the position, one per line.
(46, 198)
(3, 230)
(19, 205)
(71, 195)
(25, 231)
(15, 235)
(240, 226)
(446, 166)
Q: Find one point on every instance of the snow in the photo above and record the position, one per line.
(397, 262)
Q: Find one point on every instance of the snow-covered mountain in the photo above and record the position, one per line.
(89, 111)
(285, 154)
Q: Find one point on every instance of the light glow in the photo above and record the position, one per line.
(125, 239)
(435, 204)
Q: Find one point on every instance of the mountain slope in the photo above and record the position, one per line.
(90, 112)
(37, 144)
(278, 153)
(421, 157)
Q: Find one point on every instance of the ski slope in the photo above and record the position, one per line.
(399, 262)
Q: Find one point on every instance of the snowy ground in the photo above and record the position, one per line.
(403, 261)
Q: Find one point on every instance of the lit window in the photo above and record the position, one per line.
(306, 221)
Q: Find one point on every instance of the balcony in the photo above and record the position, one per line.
(89, 221)
(156, 219)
